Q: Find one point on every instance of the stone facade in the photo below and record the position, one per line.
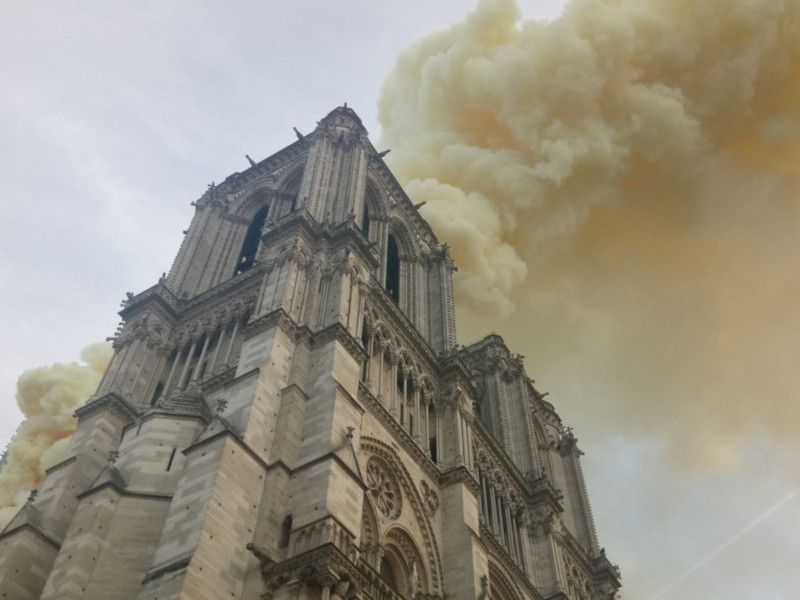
(287, 415)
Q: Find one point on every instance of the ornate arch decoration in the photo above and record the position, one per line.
(373, 212)
(403, 232)
(399, 544)
(370, 535)
(401, 263)
(279, 189)
(375, 198)
(540, 459)
(287, 189)
(431, 558)
(500, 584)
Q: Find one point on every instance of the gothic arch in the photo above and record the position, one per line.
(428, 548)
(375, 198)
(370, 535)
(500, 584)
(539, 442)
(409, 566)
(287, 190)
(373, 212)
(404, 234)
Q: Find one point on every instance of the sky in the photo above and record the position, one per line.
(113, 118)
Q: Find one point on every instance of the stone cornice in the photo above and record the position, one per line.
(460, 474)
(124, 492)
(304, 334)
(341, 235)
(109, 401)
(324, 564)
(159, 294)
(37, 532)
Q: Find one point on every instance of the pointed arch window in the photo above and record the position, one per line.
(393, 269)
(247, 256)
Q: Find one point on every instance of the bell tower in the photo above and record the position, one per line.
(287, 415)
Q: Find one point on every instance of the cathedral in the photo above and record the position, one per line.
(287, 415)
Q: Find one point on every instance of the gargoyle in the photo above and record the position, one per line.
(267, 563)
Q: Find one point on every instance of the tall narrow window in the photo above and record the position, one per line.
(250, 246)
(365, 222)
(286, 531)
(393, 269)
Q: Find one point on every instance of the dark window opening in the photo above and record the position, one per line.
(286, 530)
(365, 222)
(251, 239)
(171, 458)
(432, 443)
(387, 574)
(157, 393)
(365, 344)
(198, 349)
(393, 270)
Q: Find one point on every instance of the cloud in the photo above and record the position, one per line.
(621, 189)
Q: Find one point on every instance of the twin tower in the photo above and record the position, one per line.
(287, 415)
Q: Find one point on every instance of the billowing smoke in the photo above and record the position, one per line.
(47, 397)
(621, 191)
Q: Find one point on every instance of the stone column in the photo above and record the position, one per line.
(417, 416)
(427, 425)
(233, 339)
(188, 361)
(406, 413)
(470, 458)
(380, 375)
(459, 435)
(393, 391)
(178, 352)
(512, 547)
(523, 554)
(212, 365)
(484, 499)
(495, 525)
(370, 352)
(199, 365)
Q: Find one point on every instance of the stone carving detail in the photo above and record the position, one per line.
(384, 488)
(430, 497)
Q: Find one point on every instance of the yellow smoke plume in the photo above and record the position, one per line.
(47, 397)
(621, 190)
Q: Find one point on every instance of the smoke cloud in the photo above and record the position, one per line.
(621, 191)
(48, 397)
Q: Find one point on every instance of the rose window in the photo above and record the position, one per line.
(384, 488)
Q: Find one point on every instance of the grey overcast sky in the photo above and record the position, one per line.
(114, 116)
